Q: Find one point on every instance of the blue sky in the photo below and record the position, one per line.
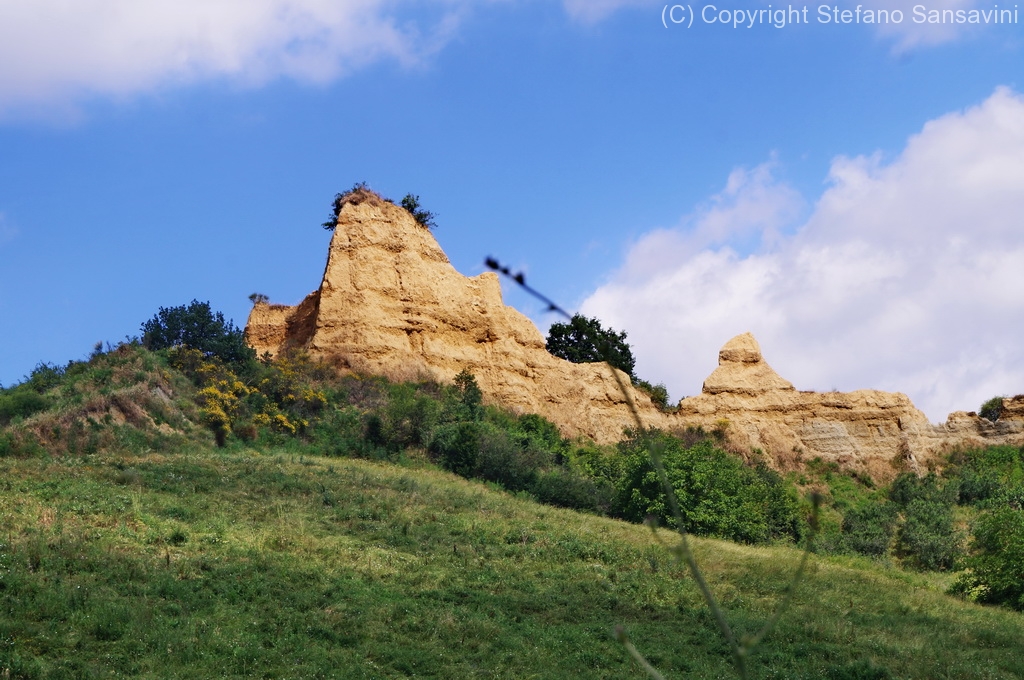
(849, 193)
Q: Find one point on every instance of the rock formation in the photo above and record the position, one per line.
(390, 303)
(874, 432)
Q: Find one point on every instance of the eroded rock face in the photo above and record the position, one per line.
(878, 433)
(390, 303)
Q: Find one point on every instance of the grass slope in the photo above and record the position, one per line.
(239, 563)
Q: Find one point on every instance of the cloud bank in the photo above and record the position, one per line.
(53, 51)
(907, 276)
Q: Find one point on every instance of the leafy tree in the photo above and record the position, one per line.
(584, 340)
(425, 218)
(197, 326)
(471, 397)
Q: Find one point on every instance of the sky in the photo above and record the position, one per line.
(850, 191)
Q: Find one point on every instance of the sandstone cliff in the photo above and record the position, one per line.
(390, 303)
(874, 432)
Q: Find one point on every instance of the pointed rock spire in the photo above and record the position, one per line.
(742, 370)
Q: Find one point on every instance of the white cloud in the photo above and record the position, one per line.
(909, 34)
(907, 276)
(592, 11)
(54, 51)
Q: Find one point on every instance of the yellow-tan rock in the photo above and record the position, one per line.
(390, 303)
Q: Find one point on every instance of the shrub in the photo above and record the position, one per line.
(353, 195)
(869, 529)
(503, 461)
(908, 487)
(996, 564)
(20, 402)
(717, 494)
(457, 447)
(992, 409)
(602, 463)
(481, 450)
(424, 217)
(978, 485)
(927, 536)
(45, 377)
(195, 325)
(341, 432)
(658, 393)
(409, 418)
(533, 431)
(569, 489)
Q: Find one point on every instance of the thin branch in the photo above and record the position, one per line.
(682, 552)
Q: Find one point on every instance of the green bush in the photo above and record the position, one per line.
(869, 528)
(978, 485)
(341, 432)
(569, 489)
(481, 450)
(457, 447)
(908, 487)
(195, 325)
(424, 217)
(602, 463)
(534, 431)
(20, 402)
(927, 536)
(658, 393)
(995, 566)
(45, 377)
(468, 404)
(987, 476)
(503, 461)
(992, 409)
(408, 419)
(717, 494)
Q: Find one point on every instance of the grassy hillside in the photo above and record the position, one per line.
(206, 563)
(166, 513)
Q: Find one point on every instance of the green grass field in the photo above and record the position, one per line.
(239, 563)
